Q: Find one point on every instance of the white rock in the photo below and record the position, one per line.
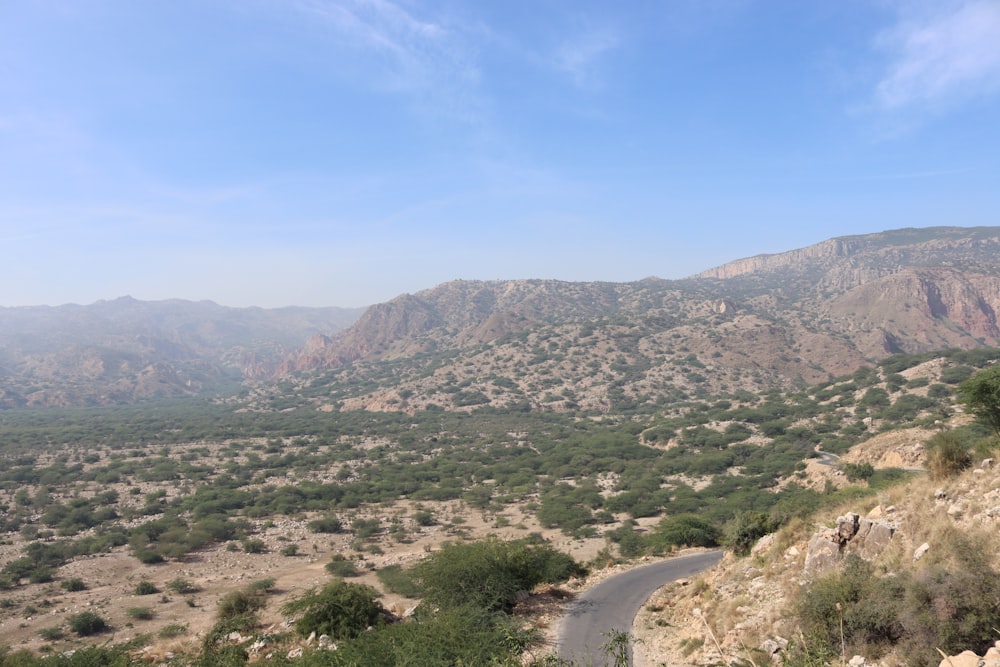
(920, 551)
(963, 659)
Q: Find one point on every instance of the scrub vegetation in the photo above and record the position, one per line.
(166, 482)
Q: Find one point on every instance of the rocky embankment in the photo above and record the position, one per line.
(743, 608)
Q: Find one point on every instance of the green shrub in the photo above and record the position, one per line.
(630, 543)
(858, 471)
(140, 613)
(41, 575)
(172, 630)
(956, 374)
(254, 546)
(365, 528)
(339, 566)
(487, 574)
(454, 636)
(938, 390)
(424, 518)
(216, 649)
(52, 634)
(264, 585)
(74, 585)
(684, 530)
(148, 556)
(290, 550)
(397, 580)
(240, 603)
(981, 396)
(327, 524)
(851, 602)
(87, 623)
(146, 588)
(951, 608)
(339, 609)
(743, 531)
(182, 586)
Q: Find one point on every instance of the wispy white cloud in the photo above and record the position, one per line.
(941, 57)
(580, 56)
(425, 57)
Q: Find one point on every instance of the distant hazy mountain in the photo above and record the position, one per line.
(124, 350)
(766, 321)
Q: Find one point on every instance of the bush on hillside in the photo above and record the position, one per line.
(241, 603)
(341, 566)
(685, 530)
(87, 623)
(951, 607)
(398, 581)
(743, 531)
(339, 609)
(947, 454)
(488, 574)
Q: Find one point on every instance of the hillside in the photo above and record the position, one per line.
(125, 350)
(923, 584)
(768, 322)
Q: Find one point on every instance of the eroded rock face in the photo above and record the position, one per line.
(823, 552)
(853, 534)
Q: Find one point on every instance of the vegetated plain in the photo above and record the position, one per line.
(149, 516)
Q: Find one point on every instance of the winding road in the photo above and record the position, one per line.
(613, 604)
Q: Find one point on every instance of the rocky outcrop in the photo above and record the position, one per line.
(853, 534)
(969, 659)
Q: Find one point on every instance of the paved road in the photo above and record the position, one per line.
(826, 458)
(613, 604)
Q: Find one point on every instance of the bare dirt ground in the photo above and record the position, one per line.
(112, 577)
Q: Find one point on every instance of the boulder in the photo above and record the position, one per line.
(876, 540)
(847, 526)
(823, 552)
(963, 659)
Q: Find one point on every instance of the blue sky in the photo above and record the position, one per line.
(341, 152)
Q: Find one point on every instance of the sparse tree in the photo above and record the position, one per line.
(981, 396)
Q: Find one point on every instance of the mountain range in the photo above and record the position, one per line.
(764, 322)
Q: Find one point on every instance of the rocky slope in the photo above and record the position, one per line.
(744, 608)
(763, 322)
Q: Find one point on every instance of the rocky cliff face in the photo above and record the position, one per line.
(843, 263)
(833, 249)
